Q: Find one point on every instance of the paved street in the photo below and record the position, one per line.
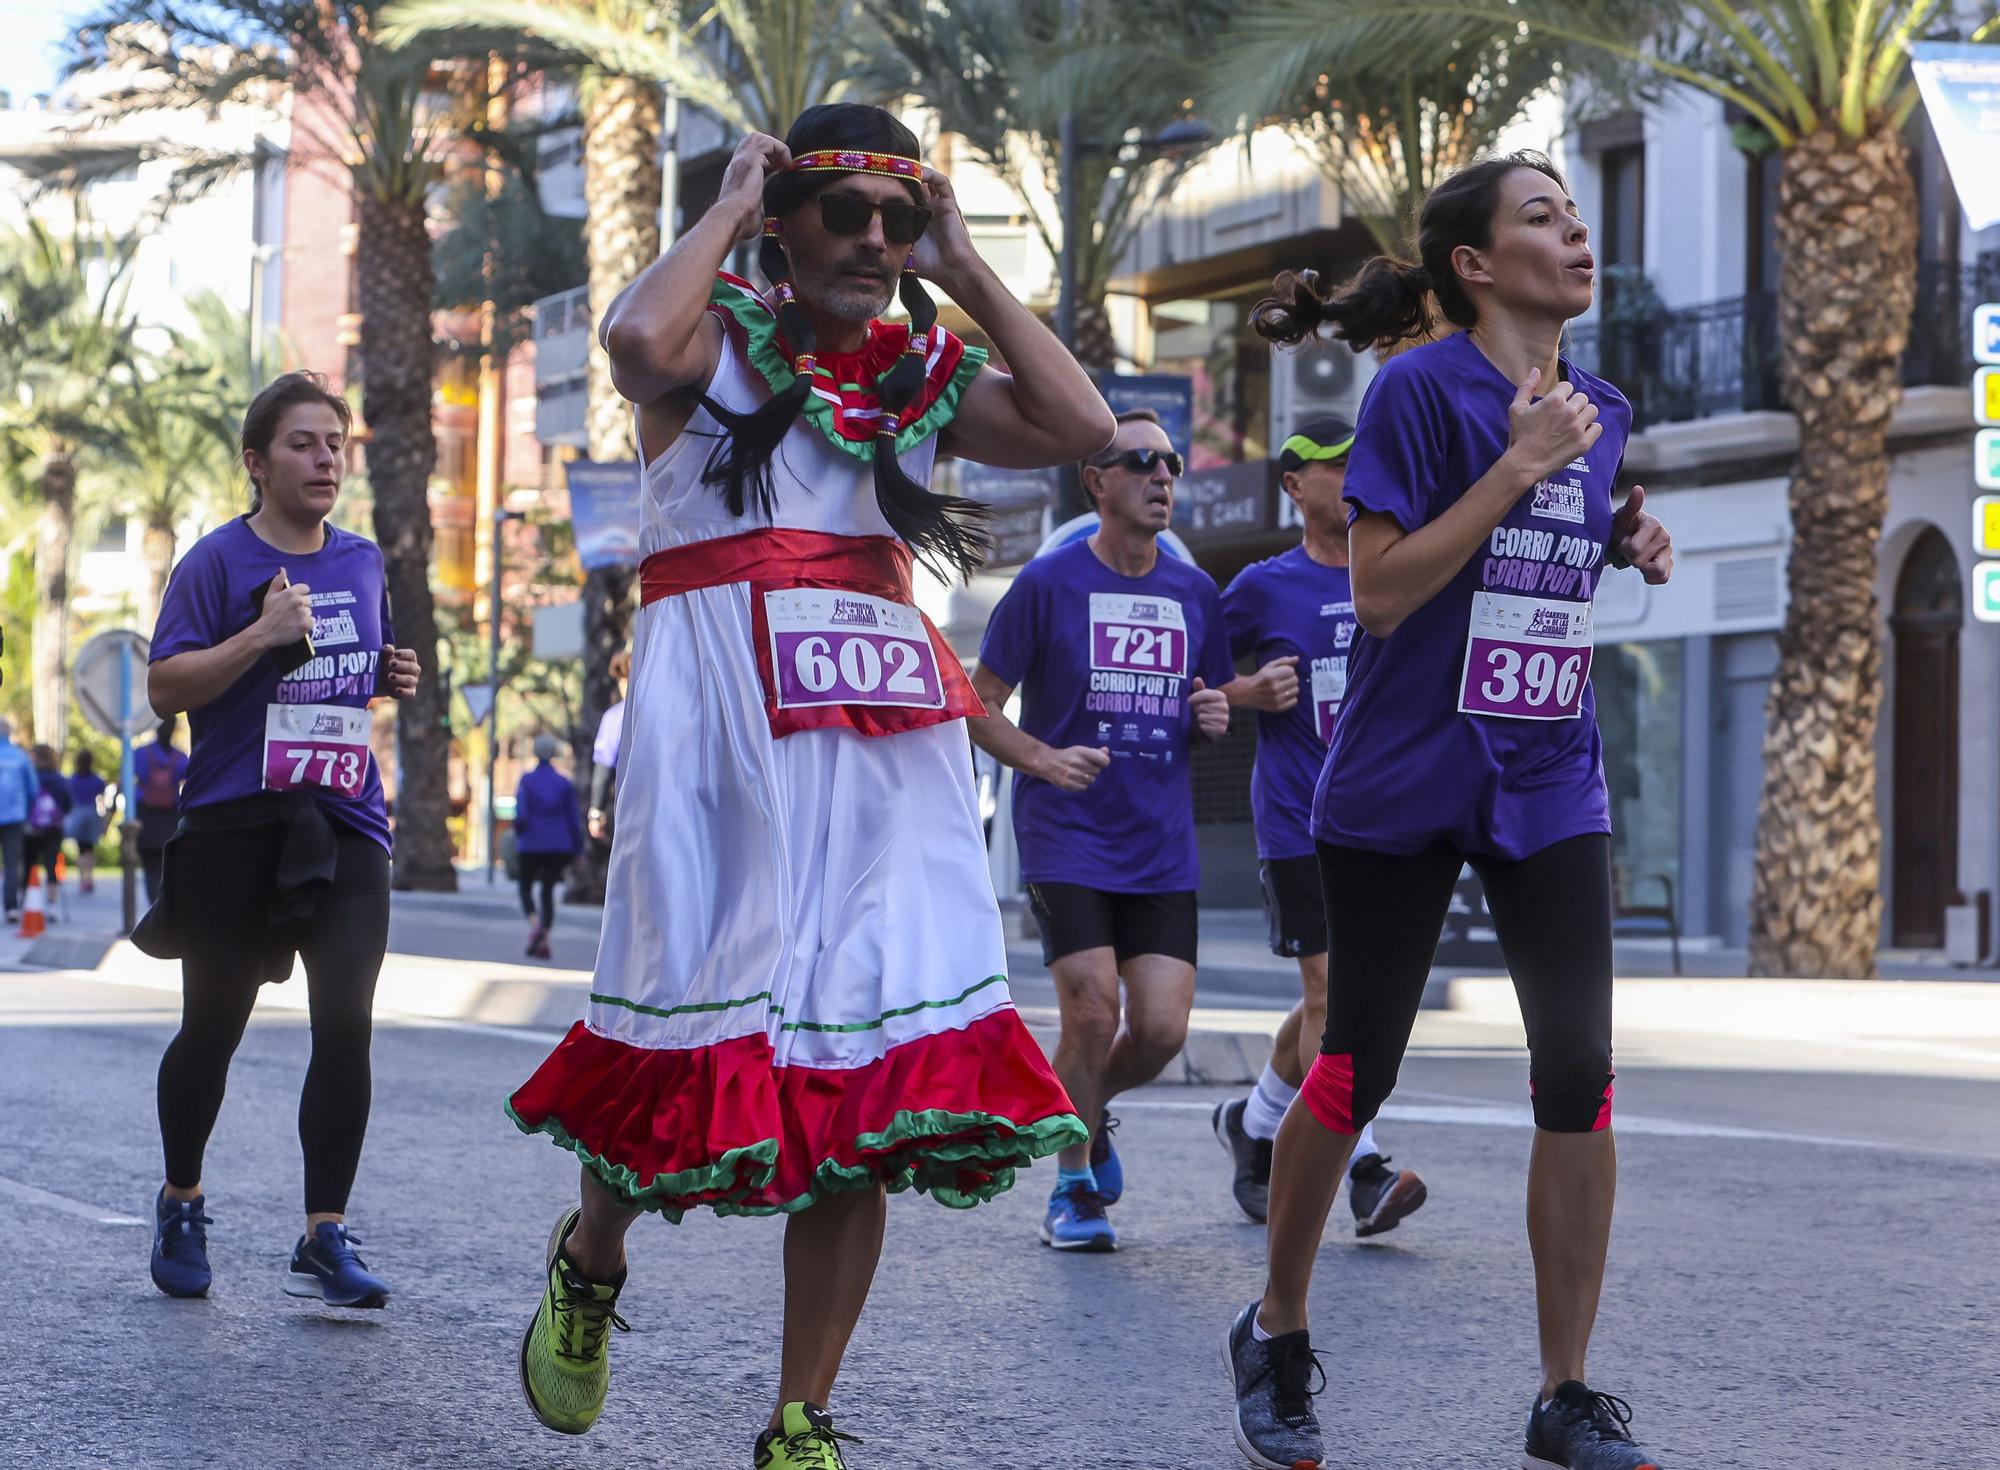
(1804, 1270)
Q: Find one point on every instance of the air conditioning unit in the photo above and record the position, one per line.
(1317, 378)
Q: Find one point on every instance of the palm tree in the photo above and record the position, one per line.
(380, 115)
(757, 64)
(1384, 133)
(1827, 84)
(1000, 74)
(67, 360)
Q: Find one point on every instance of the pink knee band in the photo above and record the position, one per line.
(1328, 1092)
(1604, 1113)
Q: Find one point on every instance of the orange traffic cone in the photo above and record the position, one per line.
(34, 909)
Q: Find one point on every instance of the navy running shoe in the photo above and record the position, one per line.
(1104, 1160)
(324, 1265)
(1275, 1425)
(180, 1245)
(1581, 1429)
(1075, 1221)
(1381, 1196)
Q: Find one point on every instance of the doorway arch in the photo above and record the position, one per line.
(1929, 611)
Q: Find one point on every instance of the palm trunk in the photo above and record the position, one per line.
(393, 267)
(157, 550)
(621, 190)
(1096, 347)
(1847, 233)
(49, 645)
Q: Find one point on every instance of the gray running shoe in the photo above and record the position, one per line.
(1275, 1427)
(1380, 1196)
(1252, 1157)
(1581, 1429)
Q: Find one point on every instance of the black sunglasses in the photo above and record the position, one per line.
(848, 214)
(1141, 461)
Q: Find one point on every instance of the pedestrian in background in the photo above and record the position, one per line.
(17, 793)
(604, 756)
(85, 823)
(548, 834)
(46, 815)
(158, 771)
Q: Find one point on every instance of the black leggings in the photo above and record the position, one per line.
(1553, 914)
(543, 870)
(222, 881)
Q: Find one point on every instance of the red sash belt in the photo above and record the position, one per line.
(777, 559)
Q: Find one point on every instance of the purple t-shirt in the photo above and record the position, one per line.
(209, 599)
(1407, 769)
(1292, 606)
(1106, 660)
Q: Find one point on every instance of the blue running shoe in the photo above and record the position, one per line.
(1104, 1160)
(180, 1245)
(1075, 1221)
(324, 1265)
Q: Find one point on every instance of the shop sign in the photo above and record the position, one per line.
(1020, 501)
(1986, 459)
(1986, 591)
(1228, 502)
(1986, 332)
(1986, 396)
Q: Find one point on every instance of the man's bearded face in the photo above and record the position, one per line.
(852, 277)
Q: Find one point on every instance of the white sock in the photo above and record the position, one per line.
(1267, 1105)
(1365, 1144)
(1257, 1332)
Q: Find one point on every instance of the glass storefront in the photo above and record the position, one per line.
(1639, 694)
(1211, 342)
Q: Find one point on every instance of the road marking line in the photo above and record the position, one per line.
(27, 1194)
(1476, 1114)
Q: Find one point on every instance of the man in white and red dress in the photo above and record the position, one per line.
(800, 1001)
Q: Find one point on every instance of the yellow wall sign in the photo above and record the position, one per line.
(1986, 525)
(1986, 395)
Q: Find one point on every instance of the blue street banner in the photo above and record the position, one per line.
(604, 506)
(1960, 84)
(1170, 395)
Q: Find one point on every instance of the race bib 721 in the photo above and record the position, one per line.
(1138, 635)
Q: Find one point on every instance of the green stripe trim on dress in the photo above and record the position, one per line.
(597, 998)
(887, 1016)
(930, 1149)
(824, 1026)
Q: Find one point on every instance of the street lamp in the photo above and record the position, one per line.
(501, 516)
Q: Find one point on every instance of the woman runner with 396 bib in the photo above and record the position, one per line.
(1480, 497)
(274, 635)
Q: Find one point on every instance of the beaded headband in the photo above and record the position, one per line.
(852, 161)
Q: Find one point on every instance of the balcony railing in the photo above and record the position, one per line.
(1722, 356)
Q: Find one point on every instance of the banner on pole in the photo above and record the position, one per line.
(604, 508)
(1960, 84)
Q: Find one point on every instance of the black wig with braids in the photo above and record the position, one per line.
(945, 531)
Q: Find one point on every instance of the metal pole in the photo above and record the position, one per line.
(1070, 487)
(128, 833)
(493, 708)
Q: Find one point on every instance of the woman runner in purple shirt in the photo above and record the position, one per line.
(274, 636)
(1480, 494)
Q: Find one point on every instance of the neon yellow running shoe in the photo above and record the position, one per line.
(566, 1351)
(808, 1441)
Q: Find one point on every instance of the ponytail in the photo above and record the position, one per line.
(1390, 299)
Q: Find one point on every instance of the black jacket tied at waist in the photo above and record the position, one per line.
(305, 869)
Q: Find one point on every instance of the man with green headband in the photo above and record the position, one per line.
(1295, 614)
